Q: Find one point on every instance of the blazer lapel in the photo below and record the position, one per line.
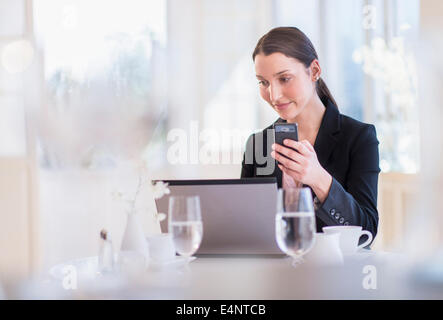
(326, 136)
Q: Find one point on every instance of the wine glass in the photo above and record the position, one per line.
(185, 224)
(295, 222)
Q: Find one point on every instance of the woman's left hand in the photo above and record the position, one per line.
(302, 165)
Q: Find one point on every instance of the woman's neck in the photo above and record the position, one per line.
(309, 120)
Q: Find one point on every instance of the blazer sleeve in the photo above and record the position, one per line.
(247, 170)
(355, 203)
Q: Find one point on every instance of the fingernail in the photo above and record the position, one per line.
(273, 146)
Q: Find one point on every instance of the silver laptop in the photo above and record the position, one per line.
(238, 215)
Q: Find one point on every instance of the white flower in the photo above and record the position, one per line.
(159, 189)
(391, 64)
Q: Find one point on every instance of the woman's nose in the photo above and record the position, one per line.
(274, 93)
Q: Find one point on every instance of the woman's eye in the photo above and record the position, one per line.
(286, 79)
(262, 83)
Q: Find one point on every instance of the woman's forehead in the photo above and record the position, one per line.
(275, 63)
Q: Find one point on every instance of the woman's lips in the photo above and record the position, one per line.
(282, 106)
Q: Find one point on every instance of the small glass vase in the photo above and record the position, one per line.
(133, 238)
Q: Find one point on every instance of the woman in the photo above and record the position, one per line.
(336, 156)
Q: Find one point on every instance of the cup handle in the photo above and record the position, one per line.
(369, 234)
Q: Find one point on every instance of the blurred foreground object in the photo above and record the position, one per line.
(423, 239)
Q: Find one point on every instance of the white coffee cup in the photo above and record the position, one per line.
(161, 247)
(349, 237)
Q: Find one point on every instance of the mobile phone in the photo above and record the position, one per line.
(284, 131)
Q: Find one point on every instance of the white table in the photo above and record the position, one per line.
(249, 278)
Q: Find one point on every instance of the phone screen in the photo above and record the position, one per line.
(284, 131)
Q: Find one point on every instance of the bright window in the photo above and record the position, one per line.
(105, 79)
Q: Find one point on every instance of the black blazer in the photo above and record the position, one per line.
(348, 150)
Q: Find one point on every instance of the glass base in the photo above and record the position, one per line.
(296, 261)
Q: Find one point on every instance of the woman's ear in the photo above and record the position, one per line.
(315, 70)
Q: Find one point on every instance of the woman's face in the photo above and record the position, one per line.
(285, 83)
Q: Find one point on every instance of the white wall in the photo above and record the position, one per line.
(15, 224)
(16, 200)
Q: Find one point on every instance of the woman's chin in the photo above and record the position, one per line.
(286, 115)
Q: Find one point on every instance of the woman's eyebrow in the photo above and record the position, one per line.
(276, 74)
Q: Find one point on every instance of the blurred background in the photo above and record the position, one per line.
(93, 91)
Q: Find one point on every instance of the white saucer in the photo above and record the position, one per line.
(177, 261)
(364, 254)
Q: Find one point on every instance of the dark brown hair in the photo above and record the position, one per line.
(293, 43)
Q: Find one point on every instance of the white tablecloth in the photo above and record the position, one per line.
(221, 277)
